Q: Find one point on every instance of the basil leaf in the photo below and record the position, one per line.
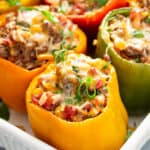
(14, 2)
(138, 34)
(4, 111)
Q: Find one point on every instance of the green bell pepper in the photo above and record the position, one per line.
(134, 78)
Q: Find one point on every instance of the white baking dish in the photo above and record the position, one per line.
(12, 138)
(140, 139)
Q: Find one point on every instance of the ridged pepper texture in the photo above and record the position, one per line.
(134, 78)
(105, 131)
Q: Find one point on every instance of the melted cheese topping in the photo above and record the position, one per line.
(80, 7)
(74, 89)
(131, 35)
(33, 32)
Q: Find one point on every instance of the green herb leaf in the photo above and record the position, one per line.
(89, 82)
(14, 2)
(27, 9)
(68, 101)
(75, 69)
(138, 34)
(78, 94)
(101, 2)
(63, 8)
(49, 16)
(59, 55)
(106, 65)
(137, 60)
(4, 111)
(147, 19)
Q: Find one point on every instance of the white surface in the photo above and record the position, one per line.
(12, 138)
(139, 137)
(20, 120)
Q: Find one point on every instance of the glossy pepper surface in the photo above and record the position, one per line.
(14, 80)
(8, 5)
(134, 78)
(106, 131)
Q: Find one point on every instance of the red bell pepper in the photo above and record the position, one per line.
(90, 21)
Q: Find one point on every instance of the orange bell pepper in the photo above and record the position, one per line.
(103, 132)
(14, 79)
(5, 6)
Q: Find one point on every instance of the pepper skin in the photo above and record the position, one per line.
(5, 7)
(90, 21)
(14, 80)
(134, 78)
(106, 131)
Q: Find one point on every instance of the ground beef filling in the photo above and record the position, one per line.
(75, 89)
(80, 7)
(28, 34)
(130, 35)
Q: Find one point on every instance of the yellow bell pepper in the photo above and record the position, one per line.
(106, 131)
(5, 6)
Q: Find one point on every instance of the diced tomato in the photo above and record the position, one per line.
(136, 18)
(92, 71)
(49, 102)
(88, 107)
(105, 102)
(99, 84)
(96, 102)
(7, 42)
(35, 100)
(69, 112)
(80, 7)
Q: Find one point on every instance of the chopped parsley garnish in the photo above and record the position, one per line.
(147, 19)
(59, 55)
(14, 2)
(138, 34)
(68, 101)
(49, 16)
(84, 90)
(101, 2)
(106, 65)
(75, 69)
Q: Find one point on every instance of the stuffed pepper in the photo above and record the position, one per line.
(75, 104)
(139, 3)
(125, 36)
(8, 5)
(28, 39)
(86, 13)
